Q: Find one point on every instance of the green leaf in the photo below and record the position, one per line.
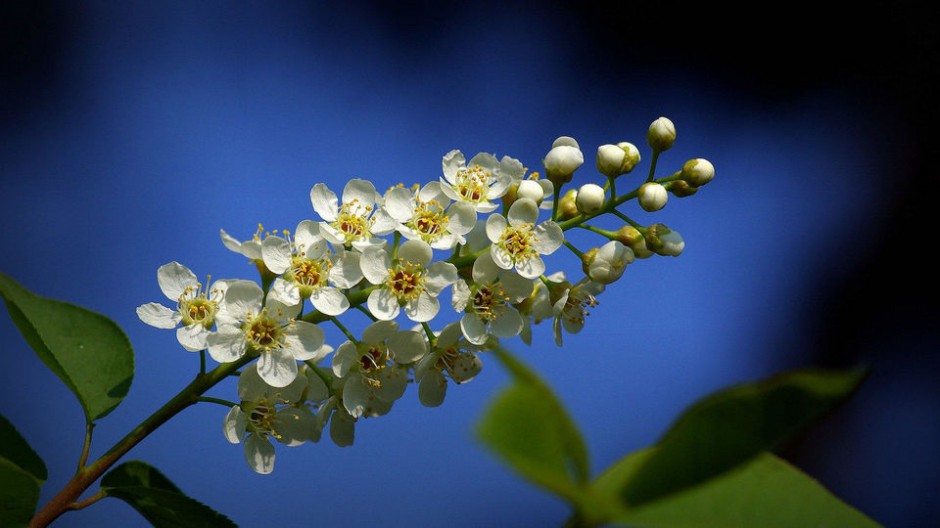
(529, 428)
(16, 449)
(766, 492)
(155, 497)
(88, 351)
(19, 494)
(731, 426)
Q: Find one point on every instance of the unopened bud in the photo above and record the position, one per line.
(698, 172)
(608, 262)
(661, 134)
(530, 189)
(633, 239)
(664, 241)
(587, 258)
(681, 188)
(614, 160)
(590, 198)
(652, 196)
(567, 206)
(564, 158)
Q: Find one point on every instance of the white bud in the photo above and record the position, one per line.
(564, 158)
(609, 160)
(672, 244)
(590, 198)
(652, 196)
(609, 262)
(661, 134)
(530, 189)
(698, 172)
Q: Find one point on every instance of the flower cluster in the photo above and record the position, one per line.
(480, 232)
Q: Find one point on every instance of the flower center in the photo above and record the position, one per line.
(517, 241)
(486, 300)
(196, 307)
(373, 359)
(352, 221)
(473, 183)
(577, 306)
(430, 221)
(309, 275)
(406, 281)
(264, 332)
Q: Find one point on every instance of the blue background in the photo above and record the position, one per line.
(131, 134)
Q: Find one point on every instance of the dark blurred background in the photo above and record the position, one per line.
(131, 133)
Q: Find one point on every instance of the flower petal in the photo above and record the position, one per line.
(417, 252)
(296, 426)
(523, 210)
(531, 267)
(374, 264)
(361, 193)
(277, 367)
(461, 218)
(356, 394)
(453, 161)
(422, 309)
(234, 425)
(400, 203)
(548, 237)
(286, 292)
(473, 329)
(346, 271)
(304, 341)
(495, 226)
(227, 344)
(379, 331)
(324, 202)
(408, 346)
(242, 297)
(276, 253)
(507, 324)
(345, 357)
(192, 337)
(174, 279)
(432, 389)
(383, 304)
(308, 240)
(329, 301)
(439, 276)
(259, 453)
(159, 316)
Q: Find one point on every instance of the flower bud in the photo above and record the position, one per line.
(631, 156)
(661, 134)
(698, 172)
(633, 239)
(608, 262)
(530, 189)
(587, 258)
(681, 188)
(664, 241)
(561, 162)
(652, 196)
(614, 160)
(590, 198)
(567, 206)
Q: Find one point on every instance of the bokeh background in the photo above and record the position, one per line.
(131, 133)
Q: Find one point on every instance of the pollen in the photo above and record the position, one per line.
(473, 183)
(430, 221)
(518, 242)
(406, 281)
(263, 332)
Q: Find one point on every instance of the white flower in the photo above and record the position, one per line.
(305, 266)
(410, 281)
(428, 215)
(195, 307)
(571, 309)
(518, 243)
(652, 196)
(486, 302)
(375, 368)
(244, 326)
(269, 412)
(351, 224)
(609, 262)
(452, 356)
(481, 180)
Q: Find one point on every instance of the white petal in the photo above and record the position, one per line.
(296, 426)
(157, 315)
(495, 226)
(259, 453)
(501, 257)
(383, 304)
(242, 297)
(379, 331)
(277, 367)
(276, 253)
(250, 385)
(345, 357)
(400, 203)
(227, 344)
(548, 237)
(465, 368)
(280, 310)
(175, 278)
(416, 251)
(374, 264)
(356, 395)
(439, 276)
(308, 239)
(230, 242)
(346, 272)
(499, 188)
(523, 210)
(329, 301)
(432, 389)
(422, 309)
(462, 217)
(473, 329)
(317, 390)
(342, 428)
(408, 346)
(303, 341)
(433, 191)
(192, 337)
(516, 287)
(485, 270)
(453, 161)
(531, 267)
(234, 425)
(286, 292)
(393, 382)
(333, 235)
(460, 295)
(450, 192)
(383, 223)
(324, 202)
(507, 324)
(361, 192)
